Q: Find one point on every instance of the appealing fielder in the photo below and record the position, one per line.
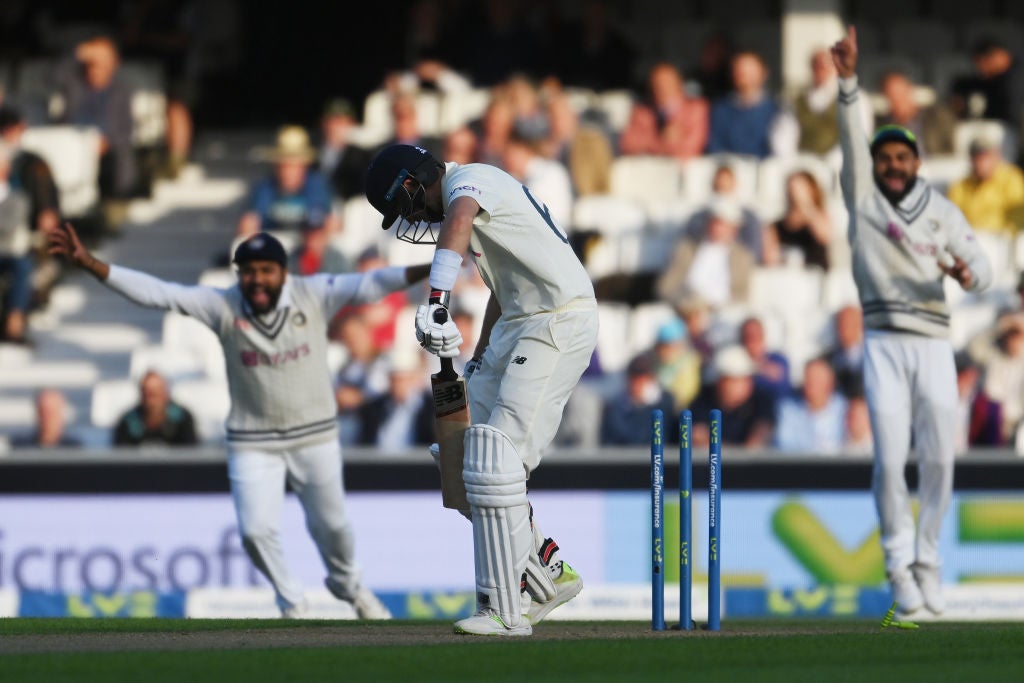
(273, 330)
(905, 237)
(537, 338)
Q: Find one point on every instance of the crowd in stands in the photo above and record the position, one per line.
(782, 382)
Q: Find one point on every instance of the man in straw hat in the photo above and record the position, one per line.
(295, 196)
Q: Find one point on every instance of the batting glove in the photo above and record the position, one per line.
(436, 331)
(472, 365)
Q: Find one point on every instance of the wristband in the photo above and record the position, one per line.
(445, 269)
(440, 296)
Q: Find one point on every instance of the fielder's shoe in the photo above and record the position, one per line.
(487, 622)
(929, 581)
(368, 606)
(298, 611)
(567, 586)
(906, 593)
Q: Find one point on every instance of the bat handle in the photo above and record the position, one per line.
(447, 370)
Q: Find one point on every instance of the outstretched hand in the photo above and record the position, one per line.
(844, 54)
(63, 241)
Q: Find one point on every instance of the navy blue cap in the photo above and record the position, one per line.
(261, 247)
(388, 171)
(894, 133)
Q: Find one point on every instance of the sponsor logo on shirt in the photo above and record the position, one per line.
(252, 359)
(464, 188)
(897, 234)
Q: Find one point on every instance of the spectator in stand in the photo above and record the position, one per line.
(314, 254)
(156, 420)
(524, 96)
(749, 120)
(164, 30)
(460, 146)
(815, 107)
(1004, 376)
(363, 375)
(847, 354)
(804, 232)
(695, 313)
(713, 73)
(406, 126)
(716, 268)
(933, 126)
(626, 417)
(979, 418)
(494, 129)
(15, 254)
(94, 95)
(295, 197)
(550, 179)
(402, 417)
(341, 161)
(771, 368)
(723, 187)
(32, 175)
(379, 315)
(677, 366)
(51, 421)
(596, 55)
(859, 439)
(995, 90)
(813, 423)
(670, 123)
(582, 145)
(992, 195)
(816, 111)
(748, 413)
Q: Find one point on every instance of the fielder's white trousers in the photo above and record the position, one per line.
(258, 488)
(528, 372)
(910, 382)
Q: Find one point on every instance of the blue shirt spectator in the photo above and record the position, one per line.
(771, 369)
(748, 413)
(749, 120)
(814, 421)
(295, 196)
(626, 418)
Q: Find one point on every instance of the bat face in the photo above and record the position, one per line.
(451, 413)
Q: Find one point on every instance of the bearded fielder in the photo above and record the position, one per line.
(273, 330)
(537, 337)
(905, 239)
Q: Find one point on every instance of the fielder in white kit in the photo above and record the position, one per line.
(537, 338)
(905, 238)
(282, 424)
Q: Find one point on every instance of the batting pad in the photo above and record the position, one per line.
(502, 538)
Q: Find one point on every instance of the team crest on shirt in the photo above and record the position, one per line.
(299, 319)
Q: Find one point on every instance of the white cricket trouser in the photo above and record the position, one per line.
(910, 382)
(314, 473)
(528, 372)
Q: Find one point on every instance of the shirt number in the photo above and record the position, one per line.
(542, 209)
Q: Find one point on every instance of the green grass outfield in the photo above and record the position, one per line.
(250, 651)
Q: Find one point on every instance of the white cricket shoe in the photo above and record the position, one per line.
(487, 622)
(905, 593)
(929, 581)
(298, 611)
(368, 606)
(567, 586)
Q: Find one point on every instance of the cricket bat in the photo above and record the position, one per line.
(451, 419)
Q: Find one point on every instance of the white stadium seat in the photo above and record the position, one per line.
(612, 339)
(183, 332)
(110, 399)
(460, 107)
(73, 155)
(644, 322)
(208, 401)
(172, 362)
(608, 215)
(646, 177)
(699, 172)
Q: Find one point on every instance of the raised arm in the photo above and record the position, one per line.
(856, 173)
(203, 303)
